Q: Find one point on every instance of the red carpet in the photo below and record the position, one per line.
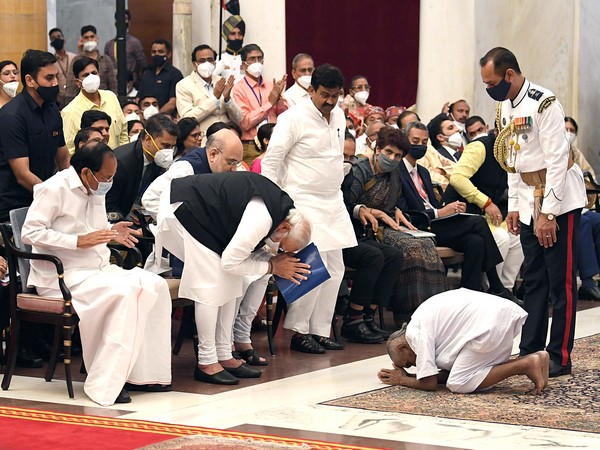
(30, 428)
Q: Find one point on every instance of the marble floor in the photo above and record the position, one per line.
(286, 401)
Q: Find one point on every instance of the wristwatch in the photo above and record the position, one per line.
(549, 216)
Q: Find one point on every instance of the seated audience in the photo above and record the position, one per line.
(445, 137)
(355, 103)
(131, 110)
(140, 162)
(161, 77)
(391, 115)
(134, 128)
(205, 96)
(87, 135)
(302, 68)
(366, 142)
(98, 120)
(148, 106)
(124, 315)
(9, 81)
(463, 340)
(459, 114)
(262, 142)
(190, 136)
(90, 96)
(377, 186)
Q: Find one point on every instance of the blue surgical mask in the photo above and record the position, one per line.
(500, 91)
(103, 186)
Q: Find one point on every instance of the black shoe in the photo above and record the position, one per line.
(306, 344)
(508, 296)
(123, 397)
(586, 293)
(328, 344)
(556, 370)
(148, 387)
(222, 377)
(28, 358)
(375, 329)
(357, 331)
(244, 371)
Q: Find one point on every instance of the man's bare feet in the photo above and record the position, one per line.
(537, 370)
(546, 364)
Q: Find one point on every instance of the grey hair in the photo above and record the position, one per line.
(299, 57)
(369, 128)
(301, 228)
(417, 125)
(394, 337)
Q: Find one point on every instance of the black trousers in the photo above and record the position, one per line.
(471, 236)
(550, 276)
(377, 268)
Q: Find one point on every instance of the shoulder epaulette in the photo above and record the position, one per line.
(547, 102)
(534, 94)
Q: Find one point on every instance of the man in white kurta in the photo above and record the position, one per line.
(464, 338)
(305, 159)
(124, 314)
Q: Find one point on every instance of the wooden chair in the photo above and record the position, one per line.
(28, 306)
(592, 190)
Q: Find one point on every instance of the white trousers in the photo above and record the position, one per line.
(510, 248)
(214, 325)
(313, 312)
(125, 327)
(247, 307)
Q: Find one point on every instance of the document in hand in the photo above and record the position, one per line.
(291, 291)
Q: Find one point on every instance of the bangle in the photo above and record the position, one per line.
(270, 267)
(488, 203)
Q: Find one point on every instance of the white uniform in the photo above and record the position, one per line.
(305, 158)
(230, 65)
(295, 94)
(126, 329)
(464, 332)
(542, 146)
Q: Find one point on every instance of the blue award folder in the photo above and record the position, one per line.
(291, 291)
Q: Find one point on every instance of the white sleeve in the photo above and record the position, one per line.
(423, 344)
(151, 198)
(238, 258)
(281, 142)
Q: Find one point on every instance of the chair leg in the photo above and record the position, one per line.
(280, 309)
(67, 331)
(334, 327)
(269, 307)
(53, 356)
(381, 323)
(11, 356)
(182, 330)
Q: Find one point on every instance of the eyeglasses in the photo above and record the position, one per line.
(6, 73)
(230, 162)
(254, 59)
(362, 87)
(197, 135)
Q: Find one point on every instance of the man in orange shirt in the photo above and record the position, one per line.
(260, 100)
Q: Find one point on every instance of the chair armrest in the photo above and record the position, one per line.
(134, 251)
(419, 219)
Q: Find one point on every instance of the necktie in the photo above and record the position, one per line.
(419, 184)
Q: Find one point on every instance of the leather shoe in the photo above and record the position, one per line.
(123, 397)
(586, 293)
(28, 358)
(328, 344)
(508, 296)
(371, 325)
(305, 343)
(556, 370)
(222, 377)
(244, 371)
(358, 331)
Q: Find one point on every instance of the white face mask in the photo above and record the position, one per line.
(90, 46)
(134, 137)
(479, 136)
(352, 132)
(460, 126)
(206, 69)
(347, 168)
(455, 140)
(11, 88)
(131, 116)
(571, 137)
(91, 83)
(304, 81)
(164, 158)
(361, 97)
(255, 69)
(371, 144)
(340, 101)
(150, 111)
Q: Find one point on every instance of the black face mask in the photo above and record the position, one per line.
(417, 151)
(58, 44)
(159, 60)
(500, 91)
(48, 93)
(235, 45)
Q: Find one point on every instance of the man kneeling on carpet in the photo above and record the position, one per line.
(124, 315)
(462, 338)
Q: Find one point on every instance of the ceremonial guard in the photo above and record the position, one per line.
(546, 194)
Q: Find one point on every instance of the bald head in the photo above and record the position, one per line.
(224, 151)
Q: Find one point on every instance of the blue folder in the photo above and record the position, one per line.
(291, 291)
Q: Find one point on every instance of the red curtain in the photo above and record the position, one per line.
(378, 39)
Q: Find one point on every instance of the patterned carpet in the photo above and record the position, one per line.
(568, 402)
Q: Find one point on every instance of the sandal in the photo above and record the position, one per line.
(252, 358)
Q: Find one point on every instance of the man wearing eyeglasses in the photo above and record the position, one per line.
(204, 95)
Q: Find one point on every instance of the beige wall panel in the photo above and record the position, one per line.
(22, 26)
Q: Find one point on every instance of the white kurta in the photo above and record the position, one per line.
(306, 159)
(124, 315)
(465, 332)
(295, 94)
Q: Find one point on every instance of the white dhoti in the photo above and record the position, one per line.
(312, 313)
(125, 326)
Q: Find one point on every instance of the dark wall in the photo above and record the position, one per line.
(376, 38)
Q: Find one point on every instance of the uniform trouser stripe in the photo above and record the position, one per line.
(569, 290)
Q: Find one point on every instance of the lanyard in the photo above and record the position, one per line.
(259, 96)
